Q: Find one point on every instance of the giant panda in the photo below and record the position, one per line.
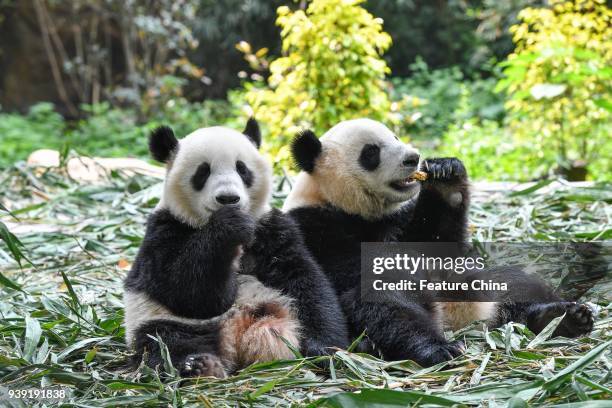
(220, 278)
(354, 187)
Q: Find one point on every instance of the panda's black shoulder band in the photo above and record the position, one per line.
(162, 143)
(305, 149)
(252, 132)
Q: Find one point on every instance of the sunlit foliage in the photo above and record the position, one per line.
(331, 70)
(559, 80)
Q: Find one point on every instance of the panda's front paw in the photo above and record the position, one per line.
(434, 354)
(448, 177)
(202, 365)
(446, 169)
(233, 224)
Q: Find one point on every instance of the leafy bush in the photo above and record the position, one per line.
(109, 131)
(332, 71)
(493, 151)
(490, 152)
(21, 134)
(430, 99)
(104, 131)
(559, 80)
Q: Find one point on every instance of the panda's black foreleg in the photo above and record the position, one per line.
(399, 328)
(440, 212)
(192, 271)
(285, 263)
(578, 318)
(194, 350)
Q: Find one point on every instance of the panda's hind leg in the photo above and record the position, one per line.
(399, 328)
(578, 318)
(547, 305)
(194, 349)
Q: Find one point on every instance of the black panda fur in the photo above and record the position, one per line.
(397, 327)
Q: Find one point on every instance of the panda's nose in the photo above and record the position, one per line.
(411, 160)
(226, 199)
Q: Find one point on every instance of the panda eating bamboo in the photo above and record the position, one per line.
(358, 185)
(222, 279)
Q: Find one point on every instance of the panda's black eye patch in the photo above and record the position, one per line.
(198, 180)
(369, 158)
(245, 173)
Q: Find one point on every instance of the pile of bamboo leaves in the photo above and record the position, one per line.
(61, 314)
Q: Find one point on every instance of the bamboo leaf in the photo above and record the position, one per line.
(32, 337)
(386, 399)
(532, 188)
(545, 333)
(4, 281)
(577, 366)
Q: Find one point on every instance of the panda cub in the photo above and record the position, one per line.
(355, 188)
(221, 278)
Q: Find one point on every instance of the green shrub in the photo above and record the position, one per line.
(429, 100)
(41, 127)
(490, 152)
(559, 80)
(112, 132)
(494, 152)
(105, 131)
(108, 132)
(332, 70)
(185, 117)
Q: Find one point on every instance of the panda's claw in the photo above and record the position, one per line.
(202, 365)
(444, 169)
(440, 353)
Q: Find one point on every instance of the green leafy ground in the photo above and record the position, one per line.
(60, 319)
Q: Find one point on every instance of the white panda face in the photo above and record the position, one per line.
(214, 167)
(359, 166)
(369, 152)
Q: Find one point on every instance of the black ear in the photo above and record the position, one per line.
(252, 132)
(305, 149)
(162, 143)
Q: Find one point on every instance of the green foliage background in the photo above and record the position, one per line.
(452, 89)
(331, 71)
(61, 315)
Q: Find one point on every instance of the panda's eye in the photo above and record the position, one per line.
(200, 176)
(245, 174)
(369, 158)
(371, 150)
(241, 167)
